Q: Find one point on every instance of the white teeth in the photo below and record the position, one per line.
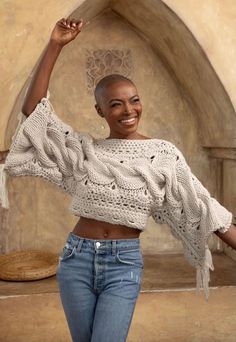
(128, 120)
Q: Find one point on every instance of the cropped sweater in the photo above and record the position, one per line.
(121, 181)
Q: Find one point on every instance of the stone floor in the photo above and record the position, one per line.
(161, 272)
(167, 310)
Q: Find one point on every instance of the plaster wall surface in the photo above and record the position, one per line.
(26, 27)
(47, 215)
(38, 215)
(188, 64)
(213, 24)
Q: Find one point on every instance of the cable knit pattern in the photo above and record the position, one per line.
(121, 181)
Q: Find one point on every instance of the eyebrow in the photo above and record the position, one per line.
(121, 100)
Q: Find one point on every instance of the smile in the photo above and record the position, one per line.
(128, 121)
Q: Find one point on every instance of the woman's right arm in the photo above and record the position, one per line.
(64, 32)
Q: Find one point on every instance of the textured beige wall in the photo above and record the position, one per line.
(25, 27)
(207, 20)
(38, 215)
(187, 62)
(213, 24)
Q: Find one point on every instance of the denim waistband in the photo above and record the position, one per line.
(99, 244)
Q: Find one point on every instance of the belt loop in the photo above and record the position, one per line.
(113, 247)
(79, 246)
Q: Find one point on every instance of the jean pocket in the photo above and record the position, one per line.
(130, 257)
(67, 252)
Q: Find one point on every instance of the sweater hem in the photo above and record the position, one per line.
(98, 214)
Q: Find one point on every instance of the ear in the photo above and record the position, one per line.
(98, 109)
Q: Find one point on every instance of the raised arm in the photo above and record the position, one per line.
(64, 32)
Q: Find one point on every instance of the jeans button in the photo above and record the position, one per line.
(98, 244)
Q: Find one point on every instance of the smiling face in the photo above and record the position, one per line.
(120, 106)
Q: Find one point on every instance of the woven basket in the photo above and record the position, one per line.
(28, 265)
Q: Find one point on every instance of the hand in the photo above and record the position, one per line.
(66, 30)
(229, 236)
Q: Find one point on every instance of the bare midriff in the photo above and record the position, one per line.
(93, 229)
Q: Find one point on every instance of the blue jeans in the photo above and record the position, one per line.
(99, 282)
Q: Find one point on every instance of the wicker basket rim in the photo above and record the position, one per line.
(28, 265)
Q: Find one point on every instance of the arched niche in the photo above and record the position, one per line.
(183, 100)
(182, 56)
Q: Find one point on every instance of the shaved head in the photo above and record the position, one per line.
(105, 82)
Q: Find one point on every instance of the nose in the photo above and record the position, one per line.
(128, 108)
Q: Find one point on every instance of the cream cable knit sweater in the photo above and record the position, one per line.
(121, 181)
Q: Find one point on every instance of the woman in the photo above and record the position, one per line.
(116, 184)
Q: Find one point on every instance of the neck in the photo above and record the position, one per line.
(130, 136)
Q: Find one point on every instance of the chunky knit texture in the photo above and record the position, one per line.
(121, 181)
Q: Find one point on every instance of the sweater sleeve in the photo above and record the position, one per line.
(191, 213)
(188, 202)
(45, 146)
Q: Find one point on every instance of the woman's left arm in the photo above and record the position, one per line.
(229, 236)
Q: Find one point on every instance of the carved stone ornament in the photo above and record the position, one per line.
(102, 62)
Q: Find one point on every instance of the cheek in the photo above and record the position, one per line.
(140, 107)
(113, 115)
(139, 110)
(110, 120)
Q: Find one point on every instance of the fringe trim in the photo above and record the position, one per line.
(3, 188)
(203, 273)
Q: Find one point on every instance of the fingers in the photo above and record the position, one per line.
(73, 24)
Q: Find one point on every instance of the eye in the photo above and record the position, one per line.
(136, 100)
(115, 104)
